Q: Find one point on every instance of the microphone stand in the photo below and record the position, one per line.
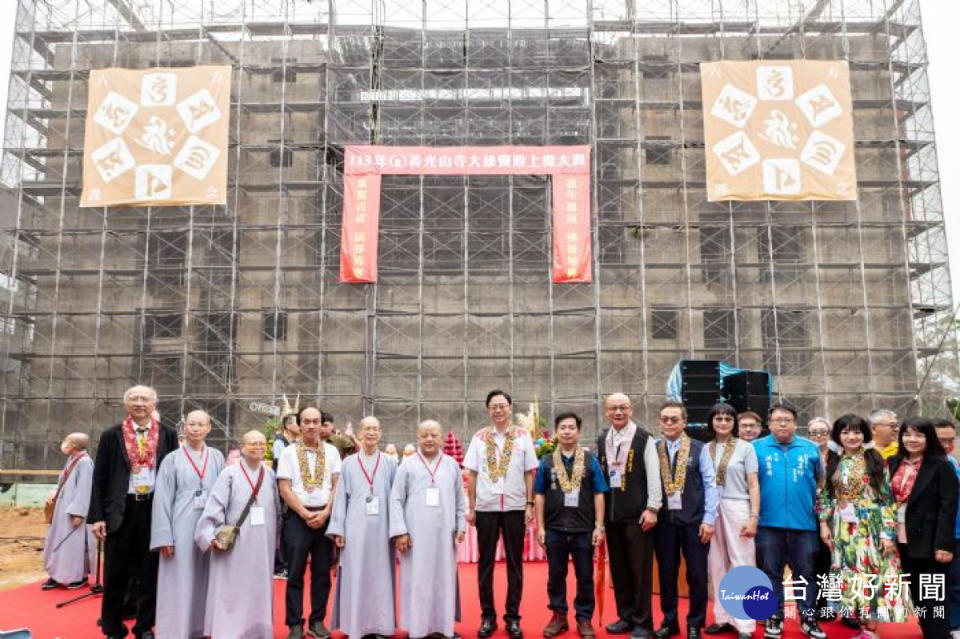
(96, 588)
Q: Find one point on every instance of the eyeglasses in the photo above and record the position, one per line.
(670, 419)
(818, 433)
(619, 409)
(498, 406)
(891, 425)
(782, 421)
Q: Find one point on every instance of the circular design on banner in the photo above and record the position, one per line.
(746, 593)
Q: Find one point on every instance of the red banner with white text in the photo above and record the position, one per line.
(569, 167)
(361, 225)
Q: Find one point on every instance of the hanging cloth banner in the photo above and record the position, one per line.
(569, 167)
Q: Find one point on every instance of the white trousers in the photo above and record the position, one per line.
(729, 550)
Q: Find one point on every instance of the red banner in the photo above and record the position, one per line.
(569, 166)
(571, 228)
(361, 226)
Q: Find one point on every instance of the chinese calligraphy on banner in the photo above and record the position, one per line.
(156, 137)
(778, 130)
(568, 165)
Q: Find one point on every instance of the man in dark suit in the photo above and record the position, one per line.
(128, 457)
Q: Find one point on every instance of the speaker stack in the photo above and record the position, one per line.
(748, 390)
(700, 387)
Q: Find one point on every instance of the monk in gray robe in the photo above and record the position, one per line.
(184, 482)
(363, 602)
(240, 594)
(69, 553)
(427, 521)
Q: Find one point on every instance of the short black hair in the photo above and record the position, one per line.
(722, 408)
(567, 415)
(326, 417)
(300, 412)
(784, 406)
(944, 422)
(290, 417)
(496, 392)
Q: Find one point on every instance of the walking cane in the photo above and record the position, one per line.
(96, 588)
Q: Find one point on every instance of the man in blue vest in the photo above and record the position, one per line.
(686, 519)
(790, 476)
(568, 499)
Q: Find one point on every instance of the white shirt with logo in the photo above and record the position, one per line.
(510, 491)
(289, 468)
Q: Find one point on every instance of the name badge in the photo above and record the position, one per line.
(143, 481)
(496, 488)
(849, 513)
(373, 504)
(615, 479)
(571, 499)
(902, 514)
(433, 496)
(256, 516)
(675, 501)
(199, 499)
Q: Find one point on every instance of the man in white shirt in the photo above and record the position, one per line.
(500, 462)
(307, 473)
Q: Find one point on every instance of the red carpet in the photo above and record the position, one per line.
(29, 607)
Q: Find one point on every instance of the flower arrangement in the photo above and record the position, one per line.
(533, 423)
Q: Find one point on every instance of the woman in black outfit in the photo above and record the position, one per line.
(925, 490)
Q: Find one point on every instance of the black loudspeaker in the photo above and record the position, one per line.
(700, 387)
(748, 390)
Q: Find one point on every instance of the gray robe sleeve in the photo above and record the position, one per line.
(398, 498)
(461, 502)
(79, 506)
(338, 516)
(164, 498)
(215, 512)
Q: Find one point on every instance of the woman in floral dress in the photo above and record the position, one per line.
(858, 522)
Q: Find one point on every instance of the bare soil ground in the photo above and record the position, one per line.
(22, 532)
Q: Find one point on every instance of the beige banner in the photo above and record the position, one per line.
(778, 130)
(156, 137)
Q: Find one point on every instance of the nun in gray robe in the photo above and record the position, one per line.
(240, 594)
(363, 602)
(427, 506)
(69, 553)
(184, 481)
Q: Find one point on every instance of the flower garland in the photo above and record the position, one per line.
(676, 484)
(569, 483)
(498, 468)
(311, 480)
(728, 448)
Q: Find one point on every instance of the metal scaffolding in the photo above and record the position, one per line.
(847, 304)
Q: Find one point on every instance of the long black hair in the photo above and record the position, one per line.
(925, 427)
(721, 408)
(875, 462)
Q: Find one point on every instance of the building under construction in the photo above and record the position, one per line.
(847, 304)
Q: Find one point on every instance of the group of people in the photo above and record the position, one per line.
(854, 509)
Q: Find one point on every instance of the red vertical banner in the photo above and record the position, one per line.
(361, 226)
(572, 249)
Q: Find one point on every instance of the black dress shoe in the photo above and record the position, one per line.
(693, 633)
(718, 629)
(146, 635)
(619, 627)
(513, 629)
(641, 633)
(667, 631)
(49, 584)
(487, 626)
